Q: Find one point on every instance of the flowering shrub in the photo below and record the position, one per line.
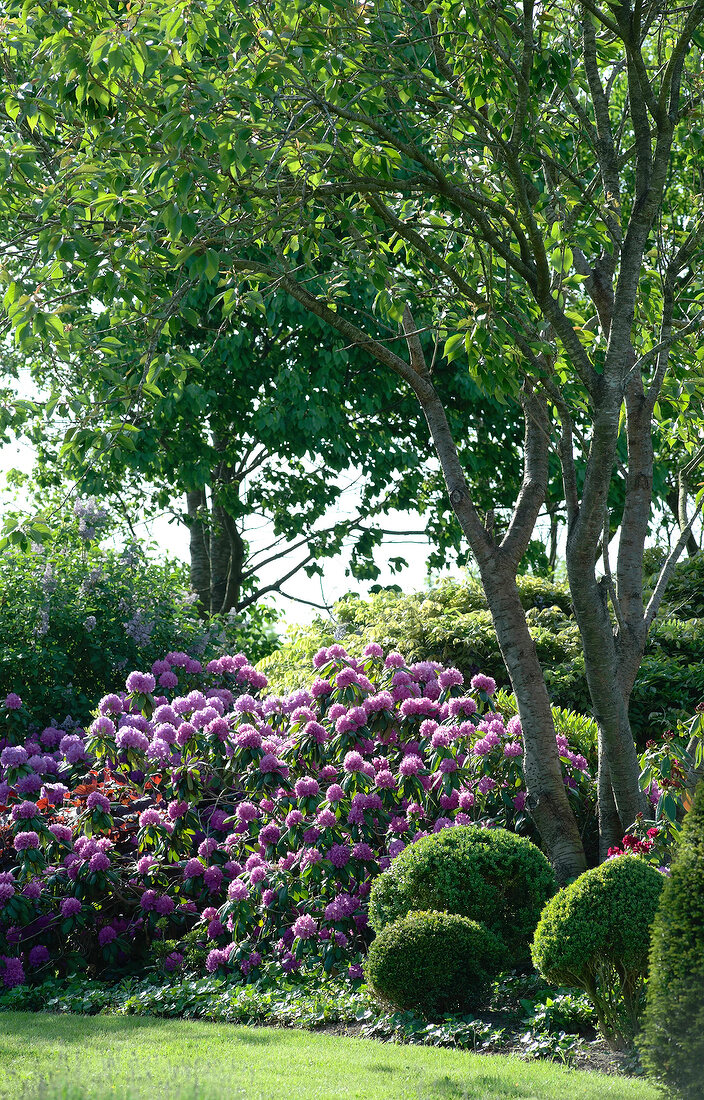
(195, 810)
(76, 616)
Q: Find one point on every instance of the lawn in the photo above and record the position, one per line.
(51, 1057)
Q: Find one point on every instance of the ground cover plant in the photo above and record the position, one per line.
(48, 1057)
(209, 825)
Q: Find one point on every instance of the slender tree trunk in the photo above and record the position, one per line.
(238, 555)
(200, 560)
(548, 804)
(219, 559)
(677, 503)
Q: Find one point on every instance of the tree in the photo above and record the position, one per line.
(519, 180)
(267, 423)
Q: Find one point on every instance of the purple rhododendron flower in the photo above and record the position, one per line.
(98, 801)
(14, 756)
(141, 683)
(304, 927)
(13, 701)
(70, 907)
(25, 841)
(483, 683)
(306, 787)
(38, 955)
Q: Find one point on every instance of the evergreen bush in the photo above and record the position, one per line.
(673, 1042)
(595, 935)
(487, 875)
(434, 962)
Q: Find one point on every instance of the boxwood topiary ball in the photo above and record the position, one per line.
(595, 934)
(488, 875)
(434, 962)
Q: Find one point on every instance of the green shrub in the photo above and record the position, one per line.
(595, 935)
(673, 1043)
(76, 616)
(488, 875)
(435, 962)
(450, 623)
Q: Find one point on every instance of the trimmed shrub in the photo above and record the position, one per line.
(435, 962)
(488, 875)
(595, 935)
(673, 1044)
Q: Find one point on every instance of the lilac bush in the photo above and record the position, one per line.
(196, 808)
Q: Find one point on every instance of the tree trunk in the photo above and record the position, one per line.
(200, 560)
(677, 503)
(219, 559)
(616, 746)
(238, 556)
(547, 803)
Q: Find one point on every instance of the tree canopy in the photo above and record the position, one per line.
(519, 184)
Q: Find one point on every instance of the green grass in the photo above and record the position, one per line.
(50, 1057)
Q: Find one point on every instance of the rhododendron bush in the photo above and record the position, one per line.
(197, 807)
